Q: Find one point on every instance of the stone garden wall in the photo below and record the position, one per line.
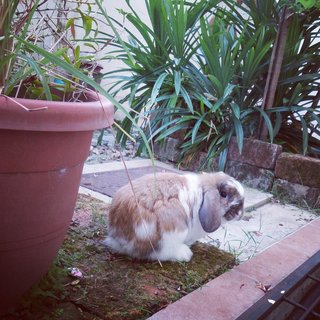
(255, 166)
(263, 166)
(298, 178)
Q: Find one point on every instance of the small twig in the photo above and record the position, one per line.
(264, 287)
(22, 106)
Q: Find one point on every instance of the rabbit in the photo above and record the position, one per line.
(158, 216)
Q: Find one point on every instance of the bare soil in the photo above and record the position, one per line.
(112, 286)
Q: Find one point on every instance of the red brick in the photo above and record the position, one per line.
(255, 152)
(224, 298)
(251, 176)
(298, 169)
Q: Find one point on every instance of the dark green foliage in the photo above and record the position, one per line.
(199, 73)
(162, 73)
(295, 111)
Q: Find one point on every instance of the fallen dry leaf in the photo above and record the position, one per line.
(264, 287)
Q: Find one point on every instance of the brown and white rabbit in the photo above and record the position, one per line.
(167, 212)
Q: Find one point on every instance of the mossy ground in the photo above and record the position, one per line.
(113, 286)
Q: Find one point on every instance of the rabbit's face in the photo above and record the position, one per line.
(223, 198)
(232, 198)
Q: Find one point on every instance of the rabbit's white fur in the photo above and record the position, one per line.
(165, 213)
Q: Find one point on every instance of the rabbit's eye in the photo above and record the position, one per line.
(223, 194)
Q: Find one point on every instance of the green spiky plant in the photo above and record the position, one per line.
(235, 58)
(26, 56)
(162, 74)
(230, 63)
(291, 102)
(199, 72)
(7, 10)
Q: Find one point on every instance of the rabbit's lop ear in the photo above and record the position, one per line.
(210, 211)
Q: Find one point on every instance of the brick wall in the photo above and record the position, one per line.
(255, 166)
(298, 178)
(264, 166)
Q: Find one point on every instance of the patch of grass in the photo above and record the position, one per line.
(249, 243)
(97, 217)
(251, 209)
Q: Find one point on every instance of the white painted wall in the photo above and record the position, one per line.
(112, 7)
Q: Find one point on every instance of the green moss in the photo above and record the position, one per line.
(115, 287)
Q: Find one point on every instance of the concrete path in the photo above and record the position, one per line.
(265, 221)
(259, 229)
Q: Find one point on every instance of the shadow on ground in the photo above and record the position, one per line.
(112, 286)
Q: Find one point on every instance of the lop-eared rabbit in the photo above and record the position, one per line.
(165, 213)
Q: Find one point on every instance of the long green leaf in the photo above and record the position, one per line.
(235, 109)
(239, 133)
(268, 123)
(196, 128)
(222, 159)
(34, 65)
(187, 99)
(171, 130)
(157, 86)
(177, 82)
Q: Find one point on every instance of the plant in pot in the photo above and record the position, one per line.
(47, 118)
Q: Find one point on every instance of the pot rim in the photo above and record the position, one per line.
(97, 113)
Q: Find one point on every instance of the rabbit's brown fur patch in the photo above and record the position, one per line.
(149, 200)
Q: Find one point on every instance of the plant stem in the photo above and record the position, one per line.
(274, 69)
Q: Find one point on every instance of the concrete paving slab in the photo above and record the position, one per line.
(229, 295)
(94, 194)
(259, 229)
(255, 198)
(108, 182)
(119, 165)
(108, 167)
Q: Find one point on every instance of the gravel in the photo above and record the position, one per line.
(109, 150)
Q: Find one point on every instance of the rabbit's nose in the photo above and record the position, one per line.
(234, 213)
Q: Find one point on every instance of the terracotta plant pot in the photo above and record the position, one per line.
(42, 156)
